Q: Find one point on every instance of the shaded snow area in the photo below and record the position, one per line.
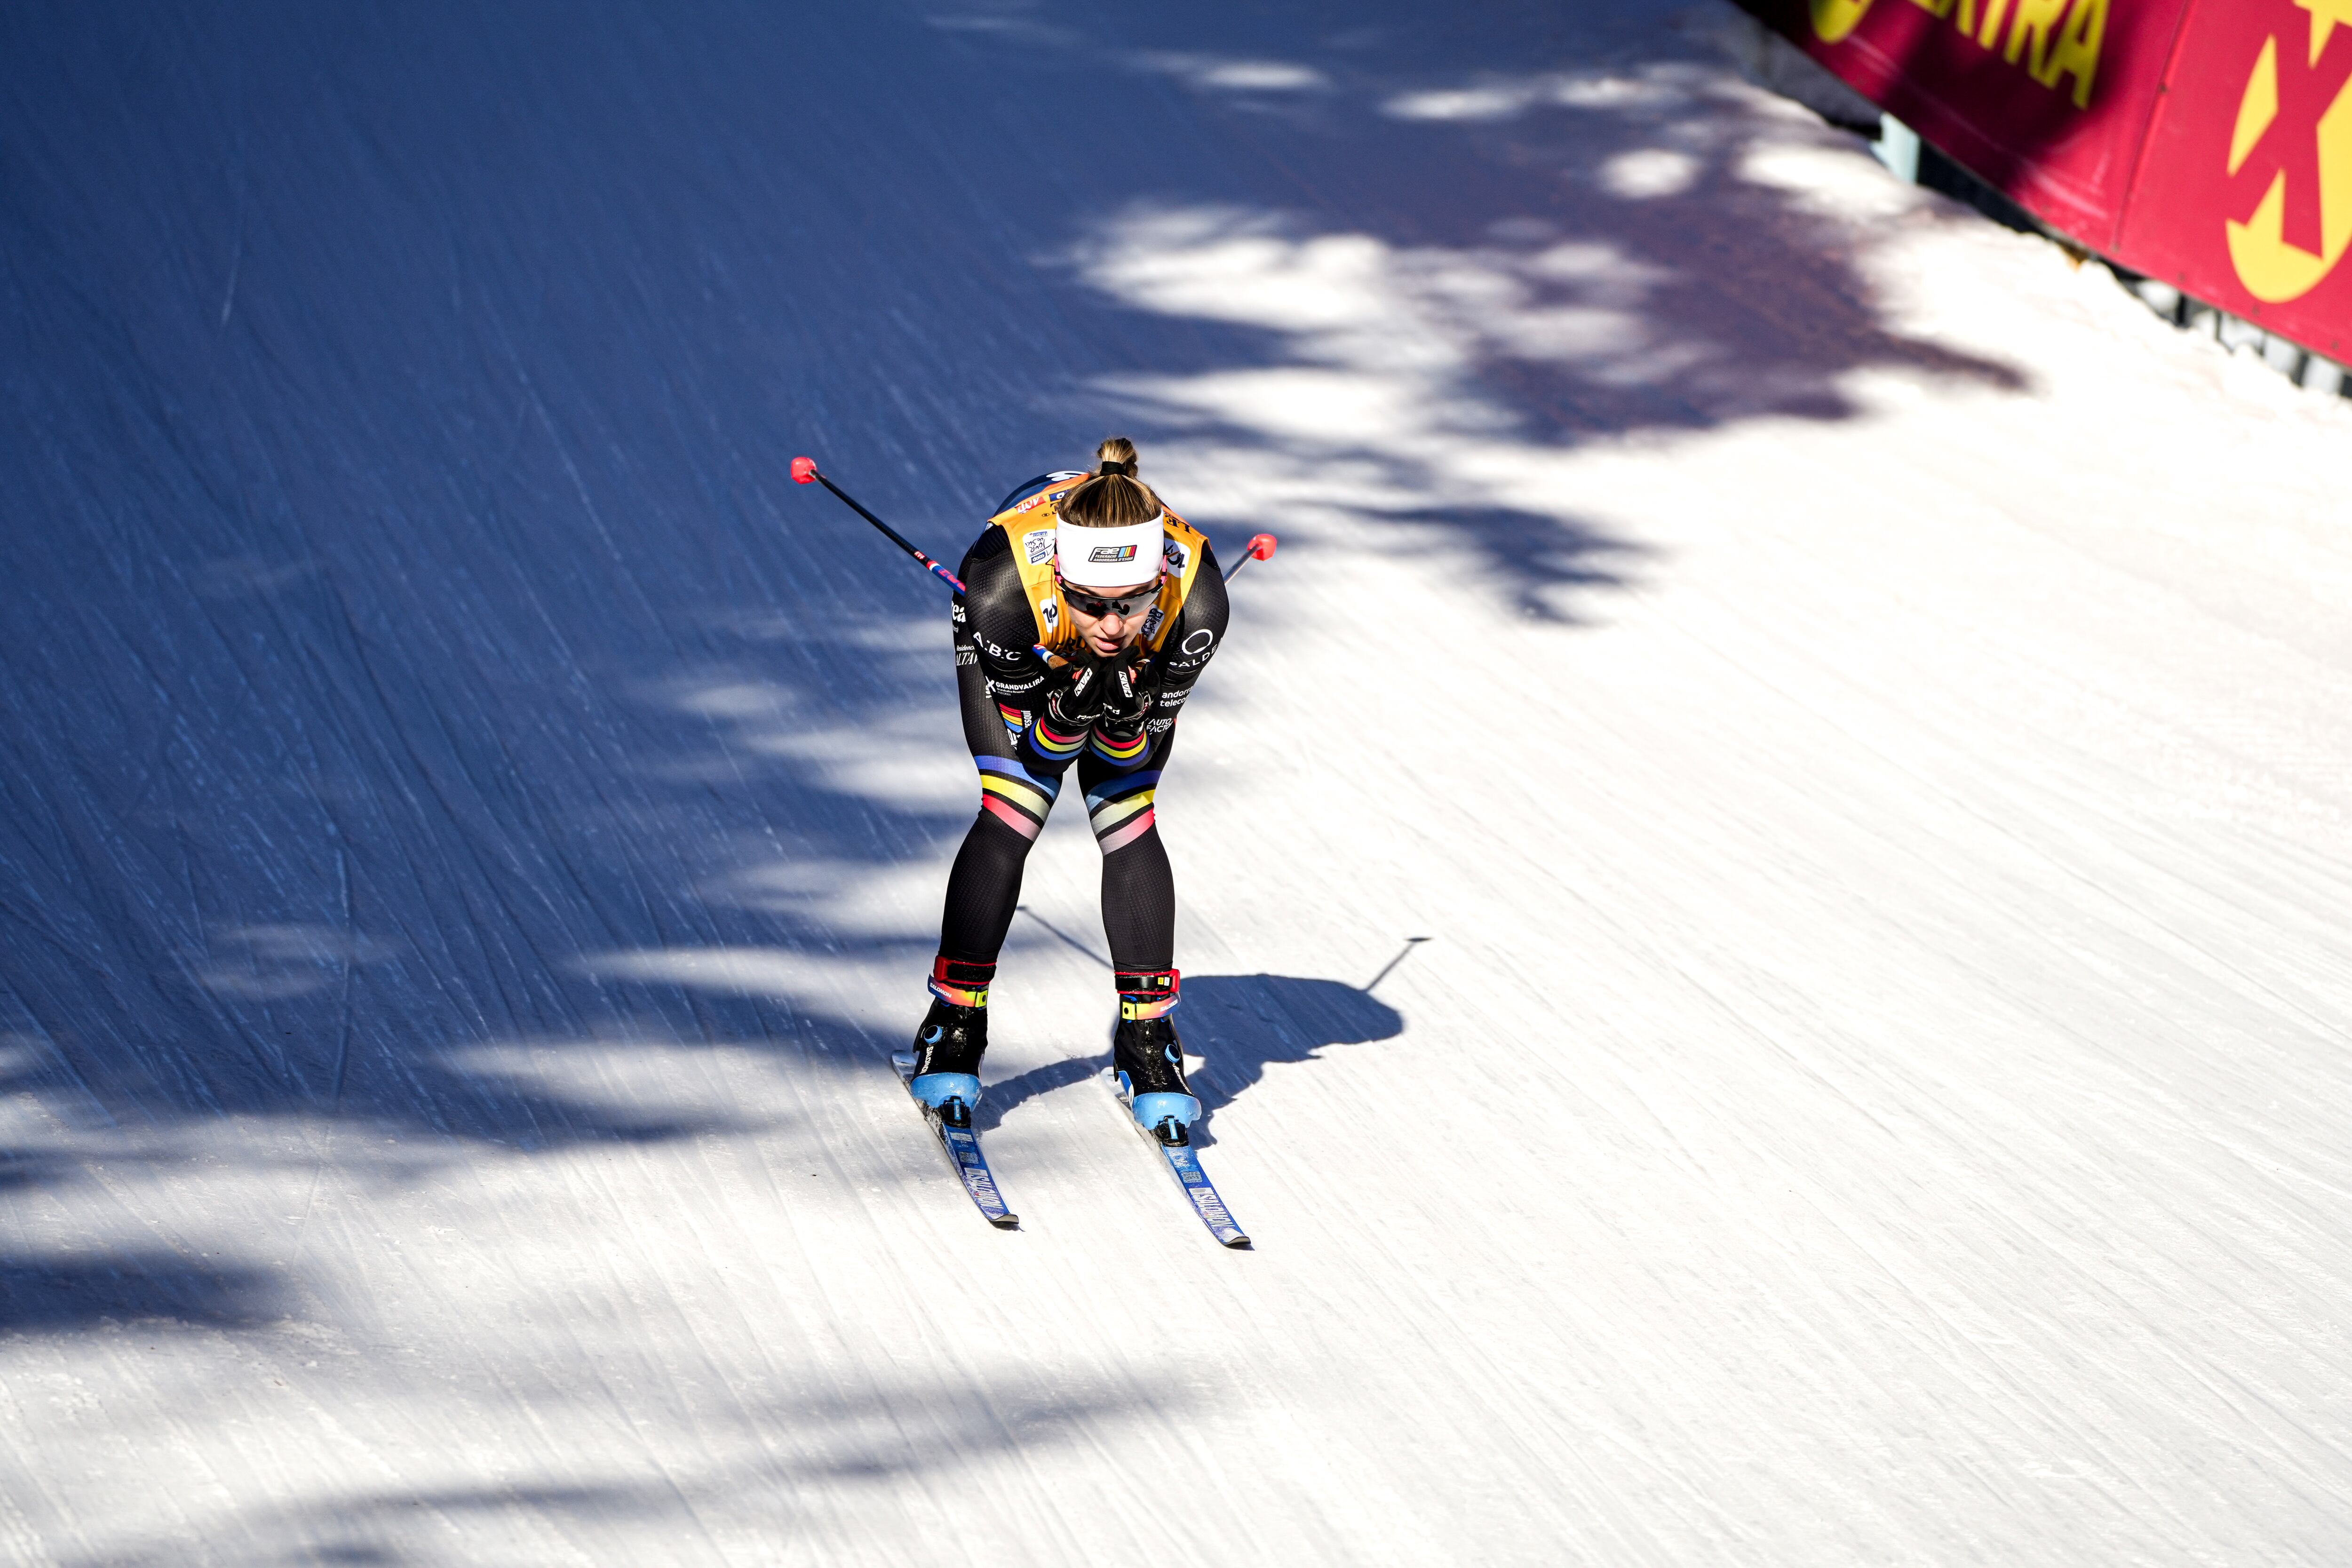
(1764, 877)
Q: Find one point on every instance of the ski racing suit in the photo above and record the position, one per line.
(1002, 616)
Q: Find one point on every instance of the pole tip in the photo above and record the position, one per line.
(803, 470)
(1261, 547)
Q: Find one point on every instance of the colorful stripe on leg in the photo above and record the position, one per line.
(1113, 750)
(1015, 796)
(1120, 811)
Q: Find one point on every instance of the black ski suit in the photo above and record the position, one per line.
(1002, 683)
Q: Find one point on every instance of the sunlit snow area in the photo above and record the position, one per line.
(1764, 876)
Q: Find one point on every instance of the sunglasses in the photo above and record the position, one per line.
(1128, 608)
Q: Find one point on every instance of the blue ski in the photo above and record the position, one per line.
(961, 1146)
(1184, 1164)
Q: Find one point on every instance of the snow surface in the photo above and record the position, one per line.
(1764, 876)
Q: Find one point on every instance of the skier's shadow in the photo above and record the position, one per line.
(1241, 1024)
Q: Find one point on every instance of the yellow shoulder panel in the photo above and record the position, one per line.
(1030, 529)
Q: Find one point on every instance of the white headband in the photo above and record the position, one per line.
(1109, 557)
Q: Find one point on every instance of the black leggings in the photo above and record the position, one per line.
(1138, 891)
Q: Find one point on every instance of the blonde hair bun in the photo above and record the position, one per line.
(1116, 455)
(1111, 497)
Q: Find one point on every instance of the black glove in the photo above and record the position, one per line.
(1077, 702)
(1128, 691)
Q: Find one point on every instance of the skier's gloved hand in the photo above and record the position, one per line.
(1076, 704)
(1128, 691)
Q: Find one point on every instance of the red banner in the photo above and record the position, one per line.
(2208, 142)
(2244, 195)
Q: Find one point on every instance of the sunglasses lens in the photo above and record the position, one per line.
(1126, 609)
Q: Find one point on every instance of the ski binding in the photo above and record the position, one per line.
(1175, 1146)
(960, 1145)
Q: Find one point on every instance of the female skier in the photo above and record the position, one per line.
(1128, 598)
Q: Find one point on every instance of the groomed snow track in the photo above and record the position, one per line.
(1857, 716)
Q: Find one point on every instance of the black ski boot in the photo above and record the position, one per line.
(1148, 1059)
(949, 1044)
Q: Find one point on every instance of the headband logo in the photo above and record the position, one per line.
(1111, 553)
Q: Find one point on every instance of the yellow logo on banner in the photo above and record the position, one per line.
(1833, 19)
(2272, 268)
(2052, 39)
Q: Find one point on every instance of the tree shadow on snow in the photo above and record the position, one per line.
(84, 1292)
(414, 655)
(741, 1483)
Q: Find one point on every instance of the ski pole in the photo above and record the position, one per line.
(1261, 548)
(804, 472)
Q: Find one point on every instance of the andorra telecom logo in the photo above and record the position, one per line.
(2296, 114)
